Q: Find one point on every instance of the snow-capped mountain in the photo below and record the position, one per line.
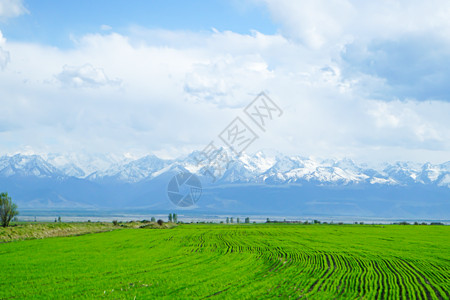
(256, 168)
(27, 165)
(134, 171)
(257, 183)
(81, 165)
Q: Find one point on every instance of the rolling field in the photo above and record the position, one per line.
(233, 261)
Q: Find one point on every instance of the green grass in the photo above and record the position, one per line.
(233, 261)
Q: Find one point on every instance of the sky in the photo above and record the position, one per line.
(363, 80)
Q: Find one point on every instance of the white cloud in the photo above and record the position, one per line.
(320, 23)
(4, 58)
(180, 89)
(105, 27)
(84, 76)
(389, 49)
(224, 80)
(312, 22)
(4, 55)
(11, 9)
(2, 39)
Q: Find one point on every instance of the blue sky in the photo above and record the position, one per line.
(363, 80)
(54, 22)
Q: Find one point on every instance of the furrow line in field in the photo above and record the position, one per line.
(423, 280)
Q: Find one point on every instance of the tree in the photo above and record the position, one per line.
(153, 219)
(175, 218)
(160, 222)
(8, 209)
(170, 217)
(247, 220)
(59, 219)
(231, 220)
(238, 220)
(228, 220)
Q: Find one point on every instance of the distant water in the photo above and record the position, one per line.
(194, 216)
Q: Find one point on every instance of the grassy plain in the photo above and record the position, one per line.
(246, 261)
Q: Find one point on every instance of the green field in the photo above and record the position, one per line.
(246, 261)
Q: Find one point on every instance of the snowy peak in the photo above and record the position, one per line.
(81, 165)
(255, 168)
(134, 171)
(27, 165)
(296, 169)
(402, 172)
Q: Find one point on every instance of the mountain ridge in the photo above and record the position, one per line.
(252, 183)
(256, 168)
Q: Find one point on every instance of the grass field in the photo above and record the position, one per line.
(233, 261)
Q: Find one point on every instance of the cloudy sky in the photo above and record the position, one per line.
(358, 79)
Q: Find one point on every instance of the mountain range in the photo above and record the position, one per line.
(257, 183)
